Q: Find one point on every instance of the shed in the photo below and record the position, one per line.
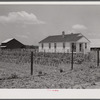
(95, 44)
(12, 44)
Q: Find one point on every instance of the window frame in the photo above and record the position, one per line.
(85, 45)
(80, 47)
(55, 45)
(49, 45)
(42, 45)
(63, 45)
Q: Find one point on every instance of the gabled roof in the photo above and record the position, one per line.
(7, 40)
(59, 38)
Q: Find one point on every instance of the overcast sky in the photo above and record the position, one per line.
(32, 23)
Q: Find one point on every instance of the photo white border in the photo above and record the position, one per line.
(49, 93)
(46, 94)
(52, 3)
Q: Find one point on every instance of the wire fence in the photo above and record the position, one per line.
(24, 56)
(33, 57)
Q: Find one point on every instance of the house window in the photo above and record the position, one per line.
(49, 45)
(55, 45)
(63, 44)
(42, 45)
(80, 46)
(67, 50)
(85, 45)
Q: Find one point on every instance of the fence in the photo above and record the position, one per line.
(47, 59)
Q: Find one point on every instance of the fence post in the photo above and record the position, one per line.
(97, 57)
(31, 62)
(72, 58)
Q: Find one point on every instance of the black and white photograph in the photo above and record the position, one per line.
(49, 46)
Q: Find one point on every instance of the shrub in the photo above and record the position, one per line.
(61, 70)
(40, 73)
(13, 76)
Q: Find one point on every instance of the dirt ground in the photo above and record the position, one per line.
(83, 76)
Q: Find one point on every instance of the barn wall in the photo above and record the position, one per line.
(13, 44)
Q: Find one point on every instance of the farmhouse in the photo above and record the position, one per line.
(63, 43)
(11, 44)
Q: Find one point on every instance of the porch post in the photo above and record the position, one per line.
(77, 47)
(84, 48)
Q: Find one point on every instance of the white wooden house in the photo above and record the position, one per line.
(63, 43)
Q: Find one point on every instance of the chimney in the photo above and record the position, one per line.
(63, 34)
(71, 33)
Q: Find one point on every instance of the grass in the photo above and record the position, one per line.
(49, 70)
(62, 77)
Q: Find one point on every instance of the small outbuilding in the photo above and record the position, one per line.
(12, 44)
(95, 44)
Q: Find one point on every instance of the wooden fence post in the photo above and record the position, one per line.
(32, 63)
(97, 57)
(72, 58)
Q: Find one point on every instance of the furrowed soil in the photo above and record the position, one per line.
(85, 75)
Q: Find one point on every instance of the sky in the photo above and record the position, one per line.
(31, 23)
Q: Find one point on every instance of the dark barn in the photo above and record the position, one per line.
(12, 44)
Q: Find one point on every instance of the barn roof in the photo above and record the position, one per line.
(7, 40)
(67, 38)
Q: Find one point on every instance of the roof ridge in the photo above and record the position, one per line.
(58, 38)
(7, 40)
(65, 34)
